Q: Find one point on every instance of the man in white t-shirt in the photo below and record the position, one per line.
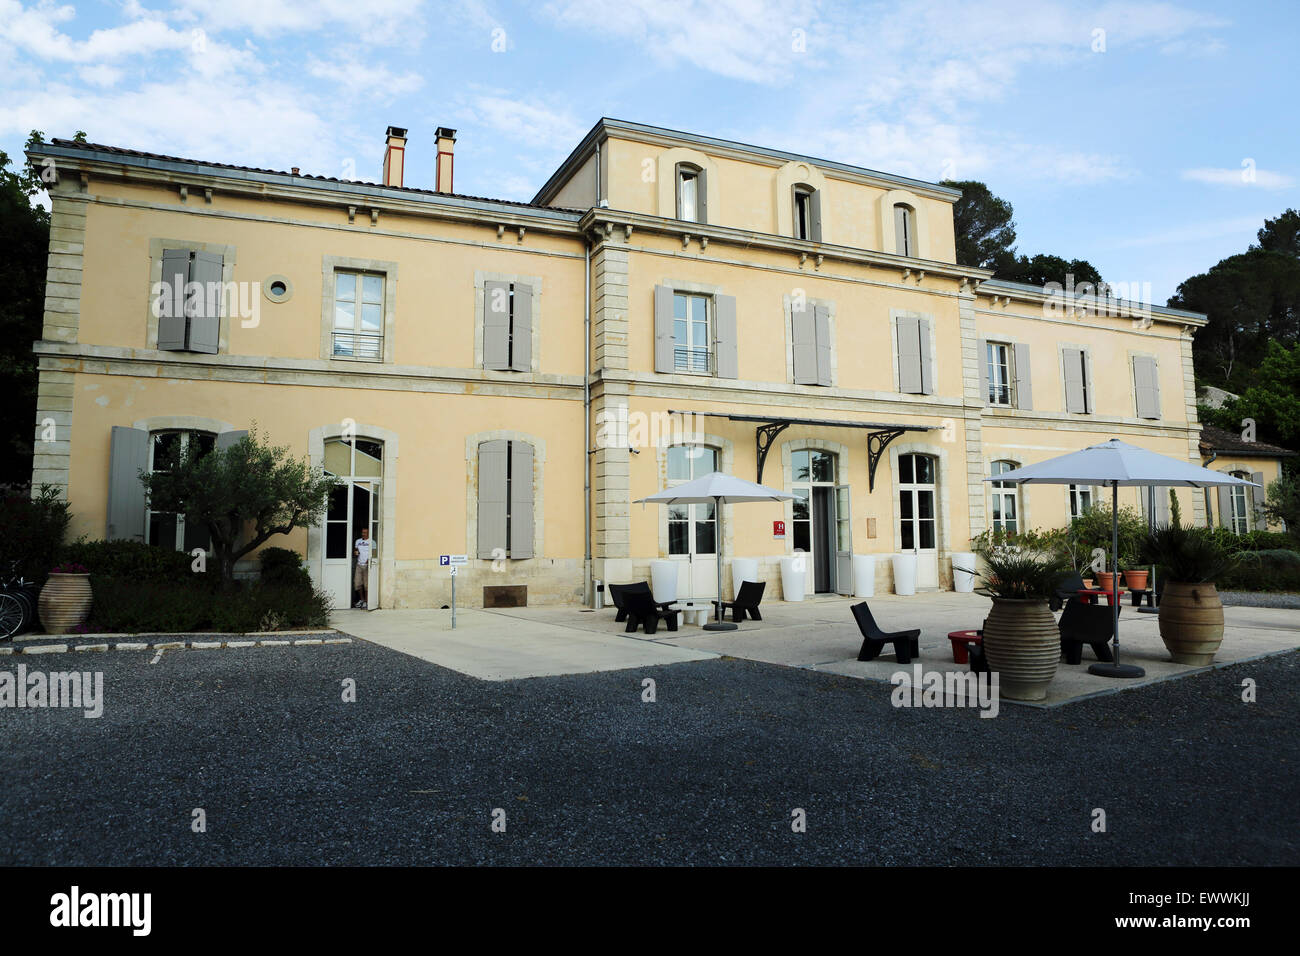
(361, 577)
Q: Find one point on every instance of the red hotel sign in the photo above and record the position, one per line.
(778, 529)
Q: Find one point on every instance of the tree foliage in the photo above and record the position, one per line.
(244, 494)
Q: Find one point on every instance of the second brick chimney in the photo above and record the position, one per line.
(446, 160)
(394, 156)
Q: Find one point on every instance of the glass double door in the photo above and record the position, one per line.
(917, 516)
(354, 505)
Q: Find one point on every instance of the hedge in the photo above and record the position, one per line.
(1272, 570)
(132, 605)
(131, 560)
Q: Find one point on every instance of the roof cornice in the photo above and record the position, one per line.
(1092, 302)
(729, 149)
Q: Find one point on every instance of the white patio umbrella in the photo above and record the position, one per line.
(1116, 463)
(718, 489)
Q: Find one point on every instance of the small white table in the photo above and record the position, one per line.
(696, 613)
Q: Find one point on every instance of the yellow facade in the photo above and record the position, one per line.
(591, 268)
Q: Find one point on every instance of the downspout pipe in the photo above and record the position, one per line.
(589, 594)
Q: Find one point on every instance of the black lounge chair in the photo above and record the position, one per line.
(618, 594)
(642, 611)
(907, 644)
(1068, 587)
(979, 664)
(1084, 623)
(751, 592)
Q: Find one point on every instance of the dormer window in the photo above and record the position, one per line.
(904, 230)
(691, 196)
(807, 213)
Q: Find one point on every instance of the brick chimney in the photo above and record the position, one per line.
(394, 156)
(446, 160)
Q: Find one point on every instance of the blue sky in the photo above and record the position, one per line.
(1150, 138)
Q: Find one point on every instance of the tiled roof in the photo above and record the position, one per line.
(121, 151)
(1220, 439)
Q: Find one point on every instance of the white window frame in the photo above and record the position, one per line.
(710, 323)
(689, 174)
(802, 212)
(696, 513)
(1240, 519)
(1004, 492)
(330, 265)
(357, 279)
(186, 435)
(1076, 493)
(1008, 349)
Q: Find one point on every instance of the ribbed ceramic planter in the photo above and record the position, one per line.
(64, 602)
(1191, 622)
(1023, 646)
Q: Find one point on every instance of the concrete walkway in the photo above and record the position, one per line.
(817, 634)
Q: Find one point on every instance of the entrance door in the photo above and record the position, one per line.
(815, 513)
(843, 541)
(693, 529)
(918, 519)
(354, 504)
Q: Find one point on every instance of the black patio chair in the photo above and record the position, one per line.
(1084, 623)
(751, 592)
(618, 592)
(642, 611)
(1068, 587)
(907, 644)
(979, 664)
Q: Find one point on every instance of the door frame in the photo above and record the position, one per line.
(316, 439)
(841, 453)
(942, 525)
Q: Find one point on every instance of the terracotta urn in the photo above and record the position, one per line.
(1136, 580)
(1191, 622)
(1023, 646)
(64, 602)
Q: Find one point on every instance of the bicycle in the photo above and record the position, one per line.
(18, 603)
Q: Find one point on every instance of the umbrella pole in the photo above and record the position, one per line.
(1115, 669)
(718, 623)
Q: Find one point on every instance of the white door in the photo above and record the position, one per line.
(814, 509)
(354, 503)
(918, 519)
(693, 529)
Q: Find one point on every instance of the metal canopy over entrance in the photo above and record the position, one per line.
(771, 425)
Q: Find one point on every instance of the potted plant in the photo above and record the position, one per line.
(1021, 641)
(1191, 614)
(65, 600)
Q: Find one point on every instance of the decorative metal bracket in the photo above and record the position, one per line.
(877, 442)
(764, 435)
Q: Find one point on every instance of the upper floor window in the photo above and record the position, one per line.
(692, 333)
(999, 356)
(1006, 515)
(507, 326)
(358, 316)
(904, 230)
(807, 213)
(691, 197)
(188, 301)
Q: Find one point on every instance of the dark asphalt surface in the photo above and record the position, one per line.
(288, 773)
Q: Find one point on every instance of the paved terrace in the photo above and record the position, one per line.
(817, 634)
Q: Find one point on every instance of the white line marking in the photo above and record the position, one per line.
(157, 657)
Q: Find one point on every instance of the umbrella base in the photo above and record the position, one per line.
(1102, 669)
(720, 626)
(1148, 610)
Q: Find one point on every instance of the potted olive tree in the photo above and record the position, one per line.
(1021, 641)
(1191, 615)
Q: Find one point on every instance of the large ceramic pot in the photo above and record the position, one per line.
(1023, 646)
(64, 602)
(1136, 580)
(1191, 622)
(1104, 580)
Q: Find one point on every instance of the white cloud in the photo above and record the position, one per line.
(363, 78)
(34, 30)
(546, 127)
(392, 22)
(1243, 176)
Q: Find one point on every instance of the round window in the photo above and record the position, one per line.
(277, 288)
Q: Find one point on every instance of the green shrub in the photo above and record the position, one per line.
(131, 605)
(1189, 555)
(283, 567)
(129, 560)
(32, 532)
(1269, 570)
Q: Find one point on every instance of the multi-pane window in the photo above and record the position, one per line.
(359, 315)
(692, 529)
(807, 468)
(1006, 513)
(165, 528)
(688, 193)
(1080, 500)
(692, 351)
(999, 357)
(1239, 502)
(916, 502)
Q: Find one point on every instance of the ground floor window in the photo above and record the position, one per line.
(692, 529)
(1080, 500)
(167, 529)
(916, 502)
(1239, 518)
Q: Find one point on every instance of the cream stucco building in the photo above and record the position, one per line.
(503, 379)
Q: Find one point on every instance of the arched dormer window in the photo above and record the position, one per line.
(904, 230)
(807, 212)
(692, 194)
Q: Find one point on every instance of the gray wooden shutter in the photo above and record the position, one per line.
(665, 339)
(1146, 387)
(1257, 498)
(909, 354)
(229, 439)
(1024, 381)
(1162, 505)
(724, 319)
(804, 333)
(205, 310)
(900, 230)
(701, 197)
(927, 357)
(496, 325)
(815, 216)
(128, 456)
(984, 371)
(492, 460)
(1225, 506)
(521, 330)
(822, 320)
(1089, 400)
(521, 499)
(171, 320)
(1072, 360)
